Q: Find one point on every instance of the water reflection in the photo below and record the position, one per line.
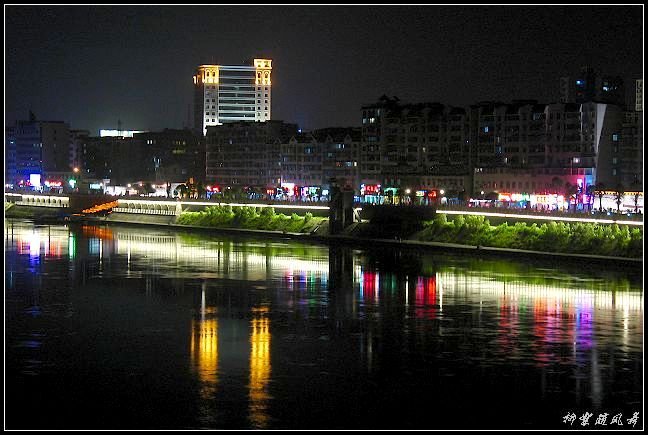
(259, 367)
(204, 347)
(424, 323)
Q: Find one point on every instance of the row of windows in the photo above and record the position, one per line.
(518, 185)
(235, 109)
(233, 88)
(237, 74)
(236, 81)
(236, 115)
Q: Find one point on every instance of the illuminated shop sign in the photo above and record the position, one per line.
(370, 189)
(35, 180)
(514, 197)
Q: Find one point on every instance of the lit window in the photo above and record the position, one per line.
(615, 137)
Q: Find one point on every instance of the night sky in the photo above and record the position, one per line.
(92, 65)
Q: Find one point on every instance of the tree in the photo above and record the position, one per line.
(600, 191)
(570, 190)
(463, 197)
(389, 197)
(589, 192)
(619, 191)
(182, 190)
(148, 188)
(636, 192)
(557, 184)
(200, 189)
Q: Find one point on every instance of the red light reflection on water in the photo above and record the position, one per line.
(35, 242)
(426, 297)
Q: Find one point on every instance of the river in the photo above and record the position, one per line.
(123, 327)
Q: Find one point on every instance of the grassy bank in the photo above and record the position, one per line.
(224, 216)
(577, 238)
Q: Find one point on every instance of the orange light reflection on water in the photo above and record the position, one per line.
(259, 368)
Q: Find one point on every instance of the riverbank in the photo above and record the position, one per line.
(350, 238)
(37, 214)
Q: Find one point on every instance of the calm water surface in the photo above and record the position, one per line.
(128, 327)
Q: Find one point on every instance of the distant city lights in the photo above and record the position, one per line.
(119, 133)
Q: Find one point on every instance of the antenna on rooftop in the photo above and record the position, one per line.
(119, 129)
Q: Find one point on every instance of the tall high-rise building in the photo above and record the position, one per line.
(231, 93)
(37, 147)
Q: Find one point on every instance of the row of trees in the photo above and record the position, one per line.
(599, 190)
(619, 192)
(572, 237)
(225, 216)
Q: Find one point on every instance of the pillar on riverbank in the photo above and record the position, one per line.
(340, 208)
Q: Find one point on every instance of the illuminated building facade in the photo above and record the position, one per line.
(37, 147)
(244, 154)
(505, 149)
(340, 155)
(553, 149)
(10, 155)
(301, 162)
(413, 144)
(171, 155)
(230, 93)
(119, 133)
(273, 154)
(78, 141)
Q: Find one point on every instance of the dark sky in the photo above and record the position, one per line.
(93, 65)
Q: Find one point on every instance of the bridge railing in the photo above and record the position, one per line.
(44, 201)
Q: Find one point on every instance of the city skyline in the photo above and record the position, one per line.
(135, 64)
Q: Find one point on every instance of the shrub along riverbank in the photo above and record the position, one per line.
(577, 238)
(224, 216)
